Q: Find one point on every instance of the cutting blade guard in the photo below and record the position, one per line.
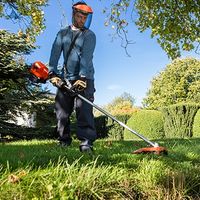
(156, 150)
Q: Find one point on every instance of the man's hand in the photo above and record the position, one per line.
(56, 81)
(80, 85)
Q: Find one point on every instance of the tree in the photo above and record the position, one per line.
(124, 104)
(13, 48)
(28, 14)
(15, 87)
(178, 83)
(174, 23)
(123, 97)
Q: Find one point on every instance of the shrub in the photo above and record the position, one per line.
(45, 117)
(116, 131)
(13, 131)
(106, 127)
(179, 119)
(101, 126)
(148, 123)
(196, 124)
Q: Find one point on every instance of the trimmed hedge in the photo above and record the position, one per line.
(179, 119)
(148, 123)
(13, 131)
(107, 128)
(196, 125)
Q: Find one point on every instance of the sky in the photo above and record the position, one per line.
(115, 72)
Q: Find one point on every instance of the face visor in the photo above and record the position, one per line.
(81, 11)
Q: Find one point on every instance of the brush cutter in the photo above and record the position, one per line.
(40, 71)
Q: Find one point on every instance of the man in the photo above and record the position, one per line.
(76, 43)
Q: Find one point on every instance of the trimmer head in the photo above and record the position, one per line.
(156, 150)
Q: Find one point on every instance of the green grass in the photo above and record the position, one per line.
(39, 169)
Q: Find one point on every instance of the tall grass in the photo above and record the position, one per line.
(42, 170)
(64, 181)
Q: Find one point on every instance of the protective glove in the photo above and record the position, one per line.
(80, 84)
(56, 81)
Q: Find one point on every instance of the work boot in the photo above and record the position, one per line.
(86, 149)
(86, 146)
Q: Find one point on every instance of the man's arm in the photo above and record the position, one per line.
(87, 54)
(55, 53)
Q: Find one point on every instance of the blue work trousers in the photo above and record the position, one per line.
(65, 103)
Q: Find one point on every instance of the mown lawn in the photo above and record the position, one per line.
(39, 169)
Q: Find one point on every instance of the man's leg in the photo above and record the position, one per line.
(64, 104)
(86, 131)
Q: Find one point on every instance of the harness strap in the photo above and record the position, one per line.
(69, 51)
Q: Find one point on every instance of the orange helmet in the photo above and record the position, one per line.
(83, 8)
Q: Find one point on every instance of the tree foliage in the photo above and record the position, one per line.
(27, 13)
(175, 24)
(15, 86)
(124, 104)
(12, 65)
(13, 48)
(179, 82)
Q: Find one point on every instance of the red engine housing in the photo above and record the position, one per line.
(39, 70)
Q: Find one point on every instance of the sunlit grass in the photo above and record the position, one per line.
(40, 169)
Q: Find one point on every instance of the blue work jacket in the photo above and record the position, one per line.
(79, 62)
